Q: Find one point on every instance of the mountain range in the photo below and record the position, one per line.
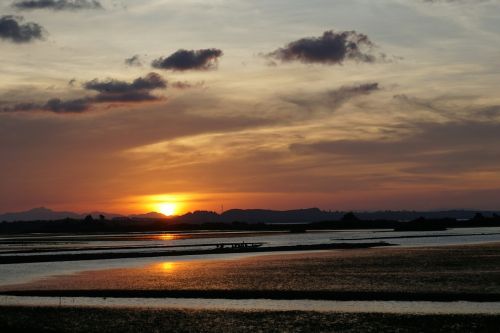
(46, 214)
(246, 215)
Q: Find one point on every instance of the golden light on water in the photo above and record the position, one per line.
(167, 237)
(167, 266)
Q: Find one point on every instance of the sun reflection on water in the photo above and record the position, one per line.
(167, 237)
(167, 266)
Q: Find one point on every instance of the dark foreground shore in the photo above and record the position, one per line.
(80, 319)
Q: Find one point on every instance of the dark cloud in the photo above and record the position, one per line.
(109, 91)
(331, 48)
(128, 97)
(149, 82)
(133, 61)
(55, 105)
(183, 60)
(57, 4)
(120, 91)
(70, 106)
(332, 99)
(12, 29)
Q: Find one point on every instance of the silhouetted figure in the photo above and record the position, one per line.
(102, 217)
(88, 218)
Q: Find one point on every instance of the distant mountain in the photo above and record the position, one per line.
(36, 214)
(46, 214)
(317, 215)
(150, 215)
(274, 216)
(250, 215)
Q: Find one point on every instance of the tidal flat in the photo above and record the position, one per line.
(454, 273)
(466, 269)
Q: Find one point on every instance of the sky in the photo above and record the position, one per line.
(125, 105)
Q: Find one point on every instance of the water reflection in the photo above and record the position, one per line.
(167, 266)
(167, 237)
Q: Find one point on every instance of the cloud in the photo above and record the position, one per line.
(186, 85)
(464, 1)
(12, 29)
(332, 48)
(109, 91)
(133, 61)
(120, 91)
(70, 106)
(433, 148)
(332, 99)
(452, 108)
(183, 60)
(149, 82)
(57, 4)
(55, 105)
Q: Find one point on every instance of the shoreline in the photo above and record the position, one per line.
(4, 260)
(265, 294)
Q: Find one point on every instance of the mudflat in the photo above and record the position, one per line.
(467, 269)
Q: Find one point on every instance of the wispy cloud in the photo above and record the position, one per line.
(134, 61)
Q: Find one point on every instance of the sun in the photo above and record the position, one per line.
(167, 208)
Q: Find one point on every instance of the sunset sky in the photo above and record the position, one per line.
(125, 105)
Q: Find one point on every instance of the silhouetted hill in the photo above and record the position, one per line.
(274, 216)
(249, 216)
(199, 216)
(46, 214)
(36, 214)
(150, 215)
(317, 215)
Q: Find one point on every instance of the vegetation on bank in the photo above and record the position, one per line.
(183, 223)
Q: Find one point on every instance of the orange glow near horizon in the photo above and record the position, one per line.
(167, 204)
(167, 208)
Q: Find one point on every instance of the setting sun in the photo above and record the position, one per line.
(167, 208)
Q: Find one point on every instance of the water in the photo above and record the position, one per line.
(147, 242)
(417, 307)
(138, 242)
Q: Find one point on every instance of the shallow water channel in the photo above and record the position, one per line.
(413, 307)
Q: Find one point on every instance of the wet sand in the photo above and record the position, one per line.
(452, 271)
(446, 273)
